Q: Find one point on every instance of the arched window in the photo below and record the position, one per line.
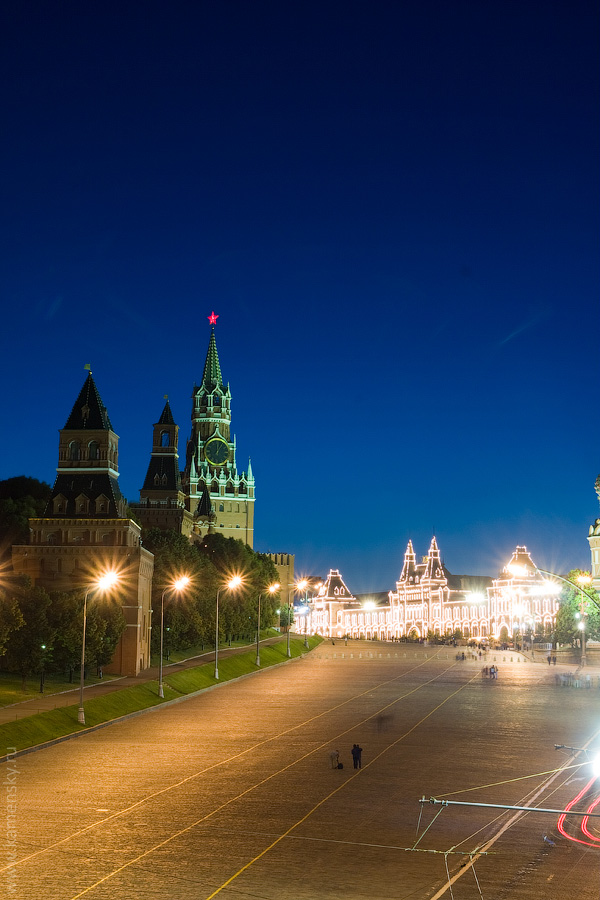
(75, 450)
(216, 400)
(94, 450)
(221, 507)
(165, 439)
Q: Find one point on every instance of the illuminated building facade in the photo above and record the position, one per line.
(594, 542)
(429, 601)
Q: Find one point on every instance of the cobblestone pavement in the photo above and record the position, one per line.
(231, 794)
(43, 702)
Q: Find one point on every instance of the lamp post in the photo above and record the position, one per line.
(231, 585)
(583, 579)
(104, 583)
(42, 673)
(175, 587)
(272, 589)
(292, 588)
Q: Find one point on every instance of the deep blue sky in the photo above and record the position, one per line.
(393, 208)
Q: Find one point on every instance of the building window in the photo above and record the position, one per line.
(75, 450)
(94, 450)
(165, 439)
(221, 507)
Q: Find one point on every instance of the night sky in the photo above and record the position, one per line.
(393, 209)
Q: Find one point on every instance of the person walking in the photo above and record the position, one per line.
(334, 756)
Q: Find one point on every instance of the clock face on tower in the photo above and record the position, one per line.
(216, 451)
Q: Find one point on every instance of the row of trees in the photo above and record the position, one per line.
(42, 631)
(190, 615)
(567, 630)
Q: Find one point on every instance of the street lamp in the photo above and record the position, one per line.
(304, 610)
(297, 586)
(583, 579)
(42, 673)
(231, 585)
(104, 583)
(303, 586)
(272, 589)
(175, 587)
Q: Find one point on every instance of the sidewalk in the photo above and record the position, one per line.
(43, 702)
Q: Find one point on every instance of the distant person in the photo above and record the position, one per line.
(357, 756)
(334, 756)
(549, 658)
(554, 660)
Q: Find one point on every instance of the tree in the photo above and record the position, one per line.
(287, 616)
(21, 499)
(571, 600)
(66, 617)
(190, 616)
(11, 619)
(25, 651)
(105, 625)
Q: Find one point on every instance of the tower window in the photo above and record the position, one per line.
(75, 450)
(216, 400)
(94, 450)
(221, 507)
(165, 439)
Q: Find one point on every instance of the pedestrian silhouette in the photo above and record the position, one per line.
(357, 756)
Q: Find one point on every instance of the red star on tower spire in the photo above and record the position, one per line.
(212, 318)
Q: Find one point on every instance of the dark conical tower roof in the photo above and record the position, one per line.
(205, 508)
(88, 411)
(211, 377)
(166, 416)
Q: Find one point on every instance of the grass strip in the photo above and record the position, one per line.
(57, 723)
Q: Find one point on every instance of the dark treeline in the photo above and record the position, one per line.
(41, 630)
(190, 615)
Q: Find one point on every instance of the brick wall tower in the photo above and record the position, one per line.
(86, 530)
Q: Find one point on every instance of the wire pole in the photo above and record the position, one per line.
(536, 809)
